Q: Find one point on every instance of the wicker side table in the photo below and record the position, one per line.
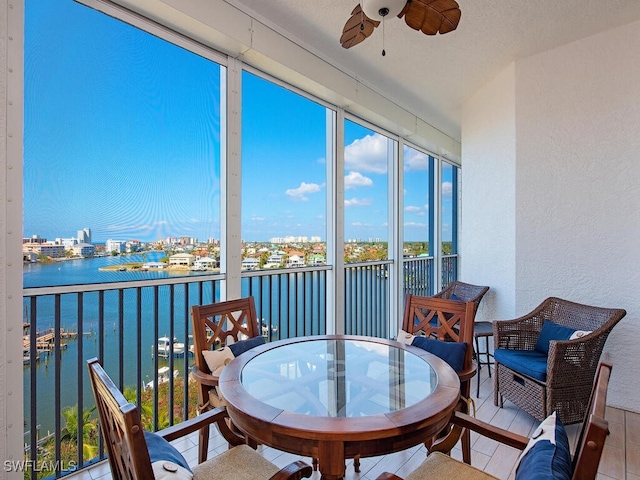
(483, 329)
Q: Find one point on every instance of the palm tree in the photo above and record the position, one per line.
(89, 430)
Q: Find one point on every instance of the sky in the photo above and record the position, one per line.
(123, 136)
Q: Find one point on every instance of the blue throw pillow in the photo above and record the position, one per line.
(455, 297)
(161, 450)
(242, 346)
(547, 455)
(551, 331)
(451, 352)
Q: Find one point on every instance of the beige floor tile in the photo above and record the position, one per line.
(612, 462)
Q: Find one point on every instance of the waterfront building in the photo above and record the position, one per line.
(83, 250)
(117, 246)
(47, 249)
(182, 259)
(250, 263)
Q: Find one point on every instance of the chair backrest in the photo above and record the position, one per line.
(215, 324)
(594, 428)
(121, 428)
(466, 292)
(578, 316)
(445, 319)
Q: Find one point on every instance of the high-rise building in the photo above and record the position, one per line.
(84, 235)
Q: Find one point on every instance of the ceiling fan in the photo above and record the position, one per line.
(428, 16)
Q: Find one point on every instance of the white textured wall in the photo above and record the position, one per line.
(487, 236)
(577, 184)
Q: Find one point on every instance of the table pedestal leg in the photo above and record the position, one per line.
(331, 459)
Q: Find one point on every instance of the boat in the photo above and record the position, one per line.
(165, 347)
(26, 357)
(163, 377)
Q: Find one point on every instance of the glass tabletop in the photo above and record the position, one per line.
(338, 378)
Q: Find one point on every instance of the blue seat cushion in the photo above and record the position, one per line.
(547, 455)
(451, 352)
(238, 348)
(528, 362)
(161, 450)
(551, 331)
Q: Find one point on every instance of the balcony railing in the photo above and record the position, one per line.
(120, 324)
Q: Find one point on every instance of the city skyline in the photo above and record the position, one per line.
(123, 132)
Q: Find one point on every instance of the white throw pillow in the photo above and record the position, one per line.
(405, 337)
(217, 359)
(164, 470)
(545, 431)
(579, 334)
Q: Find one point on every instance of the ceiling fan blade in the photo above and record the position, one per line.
(357, 28)
(432, 16)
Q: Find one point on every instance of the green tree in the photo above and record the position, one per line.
(69, 432)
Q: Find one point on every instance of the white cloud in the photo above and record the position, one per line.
(256, 218)
(415, 224)
(356, 179)
(412, 209)
(447, 188)
(300, 193)
(415, 160)
(368, 154)
(358, 202)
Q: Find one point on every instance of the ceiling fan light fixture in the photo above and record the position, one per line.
(379, 9)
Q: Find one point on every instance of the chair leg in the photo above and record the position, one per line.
(203, 443)
(496, 387)
(314, 464)
(356, 463)
(466, 446)
(486, 339)
(479, 361)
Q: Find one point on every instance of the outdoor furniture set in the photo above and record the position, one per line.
(545, 363)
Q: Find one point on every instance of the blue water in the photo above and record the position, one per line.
(72, 359)
(274, 300)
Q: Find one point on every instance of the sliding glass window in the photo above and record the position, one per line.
(121, 148)
(284, 179)
(418, 201)
(367, 156)
(449, 222)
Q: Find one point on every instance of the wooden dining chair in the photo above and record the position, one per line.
(447, 321)
(546, 454)
(138, 455)
(215, 327)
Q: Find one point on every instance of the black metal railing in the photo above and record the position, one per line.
(120, 324)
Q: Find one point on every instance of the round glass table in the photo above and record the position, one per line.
(337, 397)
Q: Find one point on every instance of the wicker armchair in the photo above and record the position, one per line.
(586, 458)
(566, 372)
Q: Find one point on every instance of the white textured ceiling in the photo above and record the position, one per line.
(432, 76)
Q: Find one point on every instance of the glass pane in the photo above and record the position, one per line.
(366, 213)
(449, 209)
(449, 226)
(418, 225)
(283, 177)
(121, 149)
(418, 194)
(339, 378)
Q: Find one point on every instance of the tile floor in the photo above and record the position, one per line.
(621, 458)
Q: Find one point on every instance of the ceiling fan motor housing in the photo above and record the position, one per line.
(379, 9)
